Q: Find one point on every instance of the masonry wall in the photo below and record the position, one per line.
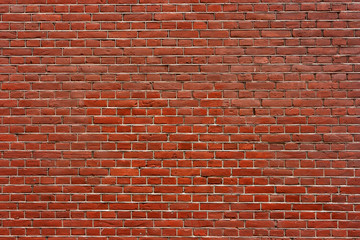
(179, 119)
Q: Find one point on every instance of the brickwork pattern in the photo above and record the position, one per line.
(179, 119)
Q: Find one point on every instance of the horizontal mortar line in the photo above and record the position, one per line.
(197, 3)
(177, 47)
(194, 73)
(181, 38)
(187, 18)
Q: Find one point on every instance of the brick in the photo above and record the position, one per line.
(16, 17)
(245, 103)
(307, 33)
(259, 224)
(245, 33)
(338, 33)
(168, 16)
(275, 34)
(338, 138)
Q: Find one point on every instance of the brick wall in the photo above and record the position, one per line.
(179, 119)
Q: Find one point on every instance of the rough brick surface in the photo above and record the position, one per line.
(179, 119)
